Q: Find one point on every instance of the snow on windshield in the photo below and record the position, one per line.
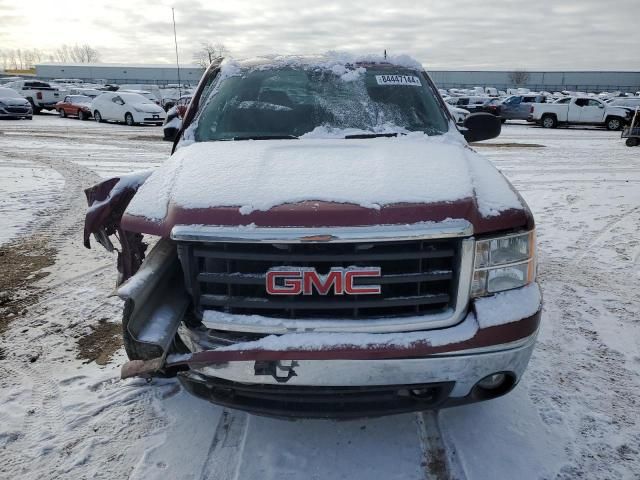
(292, 96)
(9, 93)
(134, 98)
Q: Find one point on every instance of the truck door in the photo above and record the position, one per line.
(575, 109)
(592, 112)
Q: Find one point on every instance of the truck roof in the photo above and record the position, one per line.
(328, 60)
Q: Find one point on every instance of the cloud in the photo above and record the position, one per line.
(458, 34)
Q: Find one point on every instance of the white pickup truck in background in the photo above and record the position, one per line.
(40, 94)
(580, 110)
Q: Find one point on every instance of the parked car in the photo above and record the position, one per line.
(337, 259)
(580, 111)
(86, 91)
(13, 105)
(632, 102)
(518, 107)
(458, 114)
(174, 117)
(75, 106)
(41, 95)
(476, 104)
(145, 93)
(129, 108)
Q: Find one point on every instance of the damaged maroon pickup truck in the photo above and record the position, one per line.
(324, 244)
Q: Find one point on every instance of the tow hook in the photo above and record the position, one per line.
(281, 371)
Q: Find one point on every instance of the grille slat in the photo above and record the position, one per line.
(259, 279)
(418, 277)
(358, 257)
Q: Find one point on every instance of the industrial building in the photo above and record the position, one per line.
(539, 80)
(121, 73)
(535, 80)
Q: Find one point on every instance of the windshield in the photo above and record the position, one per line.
(289, 102)
(80, 99)
(133, 98)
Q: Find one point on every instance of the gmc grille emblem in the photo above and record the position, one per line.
(306, 281)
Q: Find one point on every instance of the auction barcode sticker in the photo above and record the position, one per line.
(398, 80)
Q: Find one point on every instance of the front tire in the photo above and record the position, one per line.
(128, 119)
(97, 116)
(62, 113)
(632, 142)
(82, 115)
(549, 121)
(614, 123)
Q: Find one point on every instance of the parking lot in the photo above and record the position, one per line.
(575, 414)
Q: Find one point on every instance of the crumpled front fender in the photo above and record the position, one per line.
(107, 202)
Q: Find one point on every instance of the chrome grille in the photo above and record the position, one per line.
(418, 277)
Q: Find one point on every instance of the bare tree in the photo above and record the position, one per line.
(4, 58)
(208, 53)
(31, 57)
(84, 54)
(62, 54)
(519, 77)
(77, 54)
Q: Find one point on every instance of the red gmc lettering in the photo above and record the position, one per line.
(292, 284)
(322, 283)
(307, 281)
(351, 275)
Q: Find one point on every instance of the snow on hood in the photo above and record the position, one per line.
(14, 101)
(258, 175)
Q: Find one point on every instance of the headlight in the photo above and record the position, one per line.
(138, 109)
(503, 263)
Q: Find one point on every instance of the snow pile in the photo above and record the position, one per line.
(258, 175)
(507, 307)
(324, 341)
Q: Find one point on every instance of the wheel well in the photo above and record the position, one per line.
(611, 117)
(552, 115)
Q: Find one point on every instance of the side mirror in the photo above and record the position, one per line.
(481, 126)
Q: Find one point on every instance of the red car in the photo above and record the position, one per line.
(76, 106)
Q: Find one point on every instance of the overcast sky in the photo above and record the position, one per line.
(456, 34)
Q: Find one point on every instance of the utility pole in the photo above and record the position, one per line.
(175, 39)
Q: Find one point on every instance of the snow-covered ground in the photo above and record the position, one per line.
(575, 414)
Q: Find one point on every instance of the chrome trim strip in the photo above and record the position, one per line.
(375, 233)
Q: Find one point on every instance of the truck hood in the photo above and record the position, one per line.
(324, 183)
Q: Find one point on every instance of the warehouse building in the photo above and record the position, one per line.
(121, 73)
(534, 80)
(539, 80)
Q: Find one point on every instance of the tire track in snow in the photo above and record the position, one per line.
(441, 459)
(603, 232)
(43, 423)
(227, 447)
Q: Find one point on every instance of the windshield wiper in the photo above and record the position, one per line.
(371, 135)
(266, 137)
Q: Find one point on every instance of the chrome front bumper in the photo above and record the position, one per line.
(465, 368)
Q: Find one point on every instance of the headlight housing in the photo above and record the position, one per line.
(139, 110)
(503, 263)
